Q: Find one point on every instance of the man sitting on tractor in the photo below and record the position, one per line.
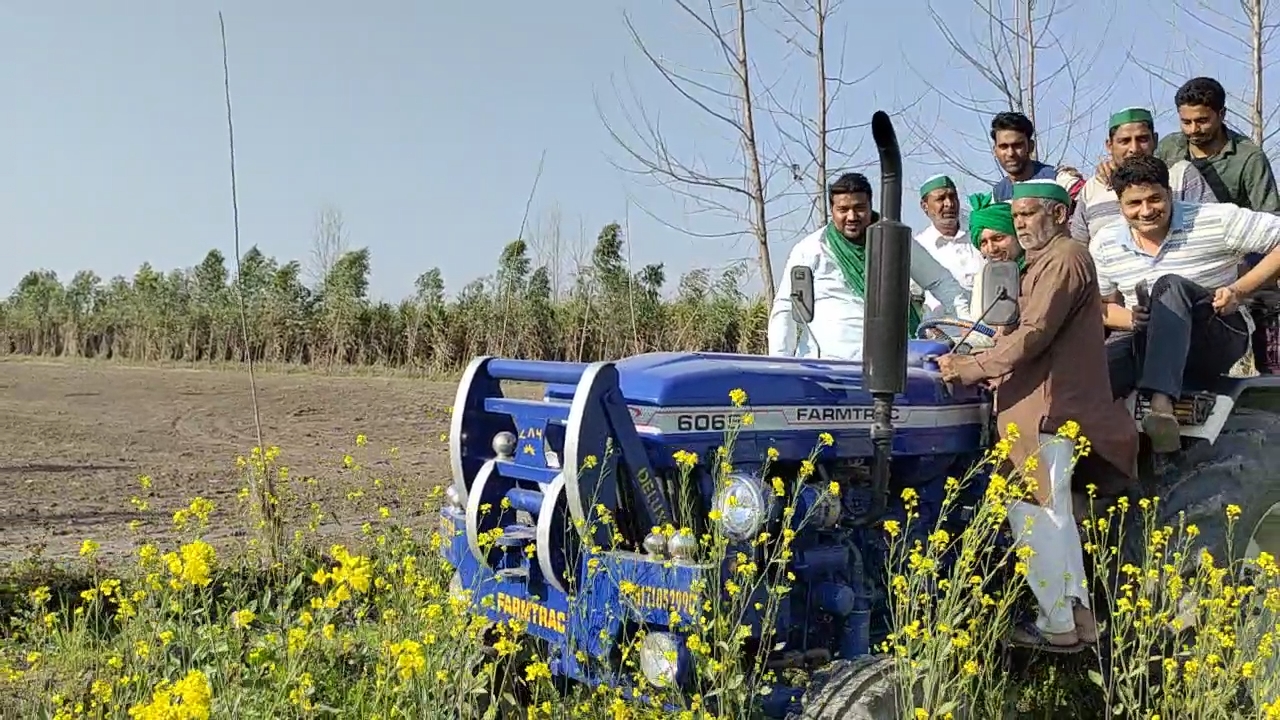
(944, 239)
(1132, 132)
(993, 235)
(1187, 256)
(1237, 170)
(837, 256)
(1013, 143)
(1051, 369)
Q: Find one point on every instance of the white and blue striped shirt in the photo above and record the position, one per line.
(1206, 244)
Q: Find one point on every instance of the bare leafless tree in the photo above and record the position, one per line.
(811, 143)
(547, 243)
(1021, 63)
(329, 243)
(1241, 35)
(725, 97)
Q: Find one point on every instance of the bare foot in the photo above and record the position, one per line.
(1086, 625)
(1161, 403)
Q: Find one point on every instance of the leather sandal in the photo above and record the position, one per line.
(1026, 634)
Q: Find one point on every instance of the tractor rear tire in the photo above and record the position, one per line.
(858, 689)
(1239, 469)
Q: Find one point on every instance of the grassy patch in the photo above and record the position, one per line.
(372, 629)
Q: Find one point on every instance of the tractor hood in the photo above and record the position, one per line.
(706, 379)
(666, 392)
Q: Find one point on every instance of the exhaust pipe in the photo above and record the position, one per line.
(884, 349)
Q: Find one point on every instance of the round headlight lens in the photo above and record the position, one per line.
(743, 507)
(660, 656)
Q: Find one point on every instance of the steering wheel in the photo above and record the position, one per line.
(952, 330)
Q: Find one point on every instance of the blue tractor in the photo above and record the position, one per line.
(533, 480)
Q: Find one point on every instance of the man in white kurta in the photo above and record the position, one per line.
(835, 254)
(945, 240)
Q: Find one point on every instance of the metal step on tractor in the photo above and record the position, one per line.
(533, 479)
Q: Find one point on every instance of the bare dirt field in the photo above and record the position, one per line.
(77, 435)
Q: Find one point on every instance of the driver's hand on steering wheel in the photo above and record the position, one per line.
(946, 366)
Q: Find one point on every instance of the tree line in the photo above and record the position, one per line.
(781, 145)
(194, 314)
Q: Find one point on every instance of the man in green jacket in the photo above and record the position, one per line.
(1236, 169)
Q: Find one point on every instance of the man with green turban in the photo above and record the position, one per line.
(994, 237)
(1051, 370)
(944, 239)
(1130, 133)
(991, 229)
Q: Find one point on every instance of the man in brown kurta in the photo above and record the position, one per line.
(1051, 368)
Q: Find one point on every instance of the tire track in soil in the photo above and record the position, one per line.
(78, 434)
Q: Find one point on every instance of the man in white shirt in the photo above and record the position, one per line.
(837, 256)
(1131, 132)
(1189, 256)
(944, 240)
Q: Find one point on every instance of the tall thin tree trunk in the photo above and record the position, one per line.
(756, 176)
(820, 52)
(1030, 30)
(1256, 119)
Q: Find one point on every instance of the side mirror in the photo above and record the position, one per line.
(1000, 284)
(802, 299)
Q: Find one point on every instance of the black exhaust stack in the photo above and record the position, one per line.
(884, 344)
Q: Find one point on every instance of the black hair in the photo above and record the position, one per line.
(1111, 134)
(1015, 121)
(1140, 170)
(1201, 91)
(848, 184)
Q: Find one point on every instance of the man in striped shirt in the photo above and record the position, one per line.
(1131, 132)
(1188, 255)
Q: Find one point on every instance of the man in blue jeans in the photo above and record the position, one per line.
(1188, 255)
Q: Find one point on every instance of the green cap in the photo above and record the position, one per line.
(1130, 115)
(937, 182)
(1041, 190)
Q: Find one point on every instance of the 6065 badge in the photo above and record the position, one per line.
(708, 422)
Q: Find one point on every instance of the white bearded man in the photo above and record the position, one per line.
(1050, 371)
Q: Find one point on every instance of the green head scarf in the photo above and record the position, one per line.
(987, 215)
(852, 259)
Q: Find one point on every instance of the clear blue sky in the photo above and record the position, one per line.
(424, 125)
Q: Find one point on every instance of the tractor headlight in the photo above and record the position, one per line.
(663, 659)
(743, 507)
